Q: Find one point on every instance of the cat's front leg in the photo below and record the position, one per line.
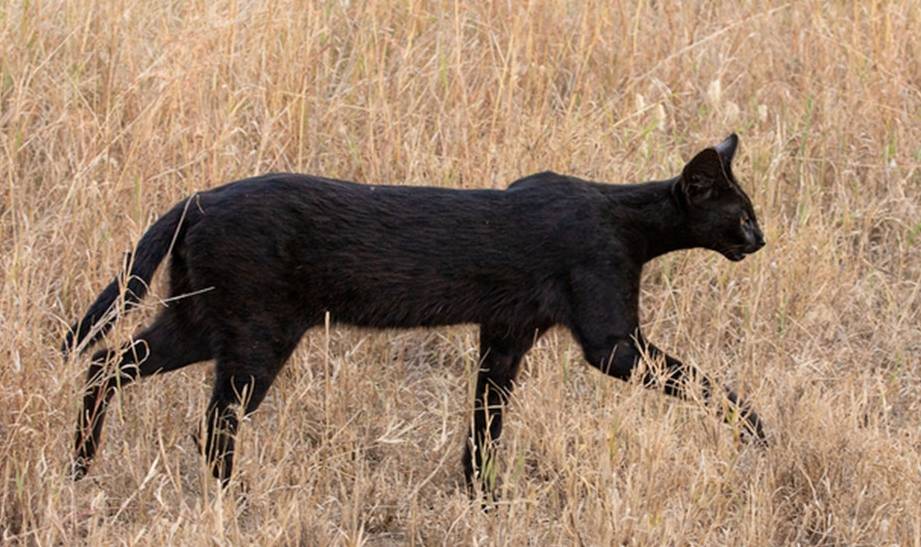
(678, 377)
(619, 356)
(605, 322)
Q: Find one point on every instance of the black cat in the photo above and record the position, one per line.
(259, 261)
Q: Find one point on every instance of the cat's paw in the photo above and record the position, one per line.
(78, 468)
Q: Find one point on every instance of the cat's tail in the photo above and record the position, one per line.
(133, 281)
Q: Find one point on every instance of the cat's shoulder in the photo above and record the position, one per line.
(544, 179)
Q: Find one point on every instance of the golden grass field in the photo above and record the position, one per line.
(111, 111)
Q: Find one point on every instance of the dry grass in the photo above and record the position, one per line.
(110, 111)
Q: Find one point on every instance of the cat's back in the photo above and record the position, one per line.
(307, 194)
(293, 198)
(548, 212)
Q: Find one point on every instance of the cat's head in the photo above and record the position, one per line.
(720, 214)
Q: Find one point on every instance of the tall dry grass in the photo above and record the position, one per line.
(110, 111)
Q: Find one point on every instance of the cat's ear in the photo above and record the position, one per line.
(703, 176)
(727, 149)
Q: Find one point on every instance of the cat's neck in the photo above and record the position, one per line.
(655, 215)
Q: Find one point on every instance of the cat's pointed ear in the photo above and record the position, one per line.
(702, 176)
(727, 149)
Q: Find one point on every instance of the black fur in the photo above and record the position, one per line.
(263, 260)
